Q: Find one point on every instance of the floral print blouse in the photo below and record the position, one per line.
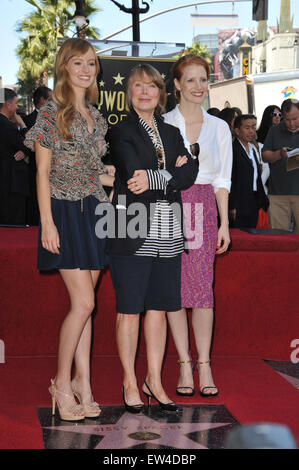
(76, 162)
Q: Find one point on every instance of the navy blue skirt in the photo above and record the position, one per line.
(79, 245)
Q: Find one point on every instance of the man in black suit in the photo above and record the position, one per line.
(247, 194)
(40, 97)
(14, 184)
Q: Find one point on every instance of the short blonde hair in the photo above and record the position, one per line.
(157, 79)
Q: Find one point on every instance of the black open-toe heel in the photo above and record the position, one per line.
(168, 407)
(185, 394)
(201, 391)
(135, 409)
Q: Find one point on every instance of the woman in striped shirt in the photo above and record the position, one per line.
(152, 166)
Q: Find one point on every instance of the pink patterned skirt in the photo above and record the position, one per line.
(201, 229)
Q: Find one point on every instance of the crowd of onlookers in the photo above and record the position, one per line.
(263, 193)
(18, 198)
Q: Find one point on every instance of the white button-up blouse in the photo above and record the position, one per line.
(215, 142)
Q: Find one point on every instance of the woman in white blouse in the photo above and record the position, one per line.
(209, 140)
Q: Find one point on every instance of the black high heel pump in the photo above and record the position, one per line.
(169, 407)
(140, 408)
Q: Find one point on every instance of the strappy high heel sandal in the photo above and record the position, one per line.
(201, 391)
(185, 394)
(92, 409)
(73, 412)
(168, 407)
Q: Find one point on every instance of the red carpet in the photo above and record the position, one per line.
(256, 298)
(256, 317)
(251, 390)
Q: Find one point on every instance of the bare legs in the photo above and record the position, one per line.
(82, 355)
(75, 333)
(179, 327)
(202, 322)
(155, 328)
(127, 330)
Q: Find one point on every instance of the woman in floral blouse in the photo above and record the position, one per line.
(68, 139)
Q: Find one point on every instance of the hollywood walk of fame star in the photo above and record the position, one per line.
(118, 79)
(293, 380)
(102, 83)
(286, 369)
(132, 430)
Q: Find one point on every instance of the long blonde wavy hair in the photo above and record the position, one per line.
(63, 94)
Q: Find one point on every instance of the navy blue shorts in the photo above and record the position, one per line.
(144, 283)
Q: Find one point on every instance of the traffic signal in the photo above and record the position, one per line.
(259, 10)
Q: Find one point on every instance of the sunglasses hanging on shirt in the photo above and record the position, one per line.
(194, 150)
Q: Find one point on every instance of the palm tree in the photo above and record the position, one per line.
(52, 19)
(25, 89)
(198, 49)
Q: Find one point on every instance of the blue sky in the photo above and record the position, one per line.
(171, 27)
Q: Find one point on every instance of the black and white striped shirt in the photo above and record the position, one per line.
(165, 238)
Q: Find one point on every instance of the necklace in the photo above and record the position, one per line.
(159, 147)
(155, 137)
